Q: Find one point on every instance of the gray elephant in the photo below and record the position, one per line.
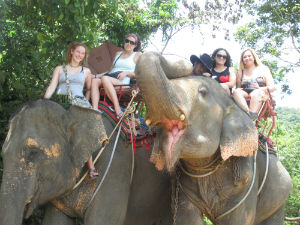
(211, 144)
(44, 154)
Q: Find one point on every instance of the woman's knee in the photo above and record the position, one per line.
(96, 83)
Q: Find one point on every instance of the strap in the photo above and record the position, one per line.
(117, 59)
(68, 83)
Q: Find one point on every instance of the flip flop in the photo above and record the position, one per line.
(93, 173)
(119, 116)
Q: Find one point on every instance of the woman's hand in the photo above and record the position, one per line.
(122, 75)
(254, 84)
(99, 75)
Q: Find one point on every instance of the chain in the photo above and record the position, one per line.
(175, 196)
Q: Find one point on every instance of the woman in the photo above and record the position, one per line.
(123, 65)
(222, 70)
(78, 76)
(254, 82)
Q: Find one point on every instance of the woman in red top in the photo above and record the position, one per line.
(222, 70)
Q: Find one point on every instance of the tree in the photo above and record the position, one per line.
(34, 35)
(176, 15)
(275, 34)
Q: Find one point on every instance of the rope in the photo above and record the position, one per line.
(134, 94)
(266, 171)
(107, 168)
(205, 168)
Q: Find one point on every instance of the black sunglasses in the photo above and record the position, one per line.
(222, 56)
(128, 41)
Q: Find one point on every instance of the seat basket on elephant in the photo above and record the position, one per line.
(134, 129)
(124, 94)
(267, 118)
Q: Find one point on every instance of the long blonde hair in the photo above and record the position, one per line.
(72, 46)
(257, 61)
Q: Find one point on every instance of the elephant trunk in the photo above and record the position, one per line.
(15, 195)
(163, 100)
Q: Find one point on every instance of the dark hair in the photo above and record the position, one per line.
(137, 41)
(72, 46)
(228, 62)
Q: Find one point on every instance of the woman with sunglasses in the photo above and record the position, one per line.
(124, 66)
(222, 70)
(254, 82)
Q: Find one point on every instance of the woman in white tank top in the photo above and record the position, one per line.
(125, 61)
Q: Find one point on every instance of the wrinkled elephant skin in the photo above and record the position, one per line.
(45, 153)
(201, 131)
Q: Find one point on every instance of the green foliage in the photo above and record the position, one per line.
(34, 36)
(287, 138)
(275, 34)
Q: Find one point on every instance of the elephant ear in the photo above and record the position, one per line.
(86, 134)
(239, 136)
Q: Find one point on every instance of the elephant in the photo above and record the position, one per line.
(45, 153)
(205, 138)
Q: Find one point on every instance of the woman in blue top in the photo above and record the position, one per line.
(78, 77)
(124, 65)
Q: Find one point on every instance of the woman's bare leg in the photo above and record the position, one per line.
(240, 96)
(108, 84)
(256, 100)
(92, 170)
(95, 92)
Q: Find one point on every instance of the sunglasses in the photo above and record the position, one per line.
(128, 41)
(222, 56)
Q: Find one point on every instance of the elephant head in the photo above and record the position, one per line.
(43, 137)
(194, 116)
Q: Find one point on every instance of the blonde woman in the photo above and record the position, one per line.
(254, 82)
(78, 77)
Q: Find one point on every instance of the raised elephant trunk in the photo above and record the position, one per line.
(163, 100)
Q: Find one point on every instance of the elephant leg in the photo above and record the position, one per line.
(275, 219)
(53, 216)
(187, 211)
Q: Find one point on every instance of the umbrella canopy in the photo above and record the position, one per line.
(102, 57)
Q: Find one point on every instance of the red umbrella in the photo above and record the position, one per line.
(102, 57)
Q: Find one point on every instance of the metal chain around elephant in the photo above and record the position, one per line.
(174, 197)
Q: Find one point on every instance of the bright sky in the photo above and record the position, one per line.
(187, 42)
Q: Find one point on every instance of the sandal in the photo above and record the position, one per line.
(119, 116)
(93, 173)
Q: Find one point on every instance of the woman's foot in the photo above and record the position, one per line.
(120, 115)
(93, 173)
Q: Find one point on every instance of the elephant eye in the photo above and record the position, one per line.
(202, 91)
(34, 155)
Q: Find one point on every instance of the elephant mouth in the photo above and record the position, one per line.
(28, 209)
(174, 130)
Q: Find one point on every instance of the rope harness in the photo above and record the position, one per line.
(211, 171)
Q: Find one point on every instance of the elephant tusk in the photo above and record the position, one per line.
(148, 122)
(182, 117)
